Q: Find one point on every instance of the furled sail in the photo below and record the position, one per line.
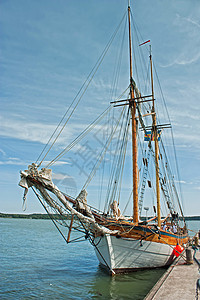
(42, 180)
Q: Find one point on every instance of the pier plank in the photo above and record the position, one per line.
(179, 282)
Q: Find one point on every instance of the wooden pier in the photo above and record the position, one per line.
(178, 282)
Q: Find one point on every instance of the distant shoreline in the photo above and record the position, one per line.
(30, 216)
(47, 217)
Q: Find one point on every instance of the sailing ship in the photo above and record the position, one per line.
(122, 243)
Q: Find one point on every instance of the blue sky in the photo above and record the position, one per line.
(47, 50)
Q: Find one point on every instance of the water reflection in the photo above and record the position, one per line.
(127, 286)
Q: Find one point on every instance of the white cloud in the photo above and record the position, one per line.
(181, 181)
(36, 131)
(18, 162)
(12, 161)
(57, 163)
(183, 59)
(24, 130)
(188, 20)
(60, 176)
(2, 152)
(188, 41)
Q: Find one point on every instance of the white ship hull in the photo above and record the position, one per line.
(124, 255)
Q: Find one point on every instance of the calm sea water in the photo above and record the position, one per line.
(36, 263)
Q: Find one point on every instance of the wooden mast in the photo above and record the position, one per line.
(134, 133)
(155, 133)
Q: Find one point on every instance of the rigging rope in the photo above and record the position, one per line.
(123, 161)
(176, 161)
(118, 64)
(143, 67)
(112, 172)
(83, 90)
(80, 136)
(83, 133)
(118, 165)
(101, 156)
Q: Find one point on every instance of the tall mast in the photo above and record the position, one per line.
(134, 133)
(156, 146)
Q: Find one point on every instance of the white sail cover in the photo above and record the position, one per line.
(44, 182)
